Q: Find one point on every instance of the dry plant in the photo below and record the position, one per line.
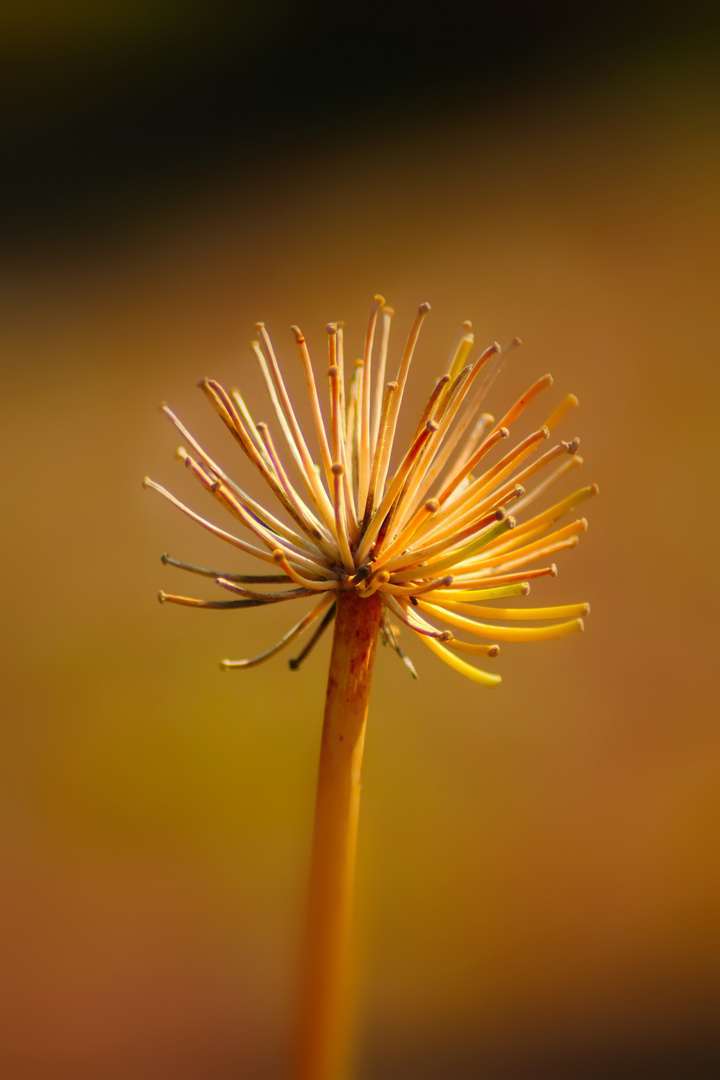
(378, 545)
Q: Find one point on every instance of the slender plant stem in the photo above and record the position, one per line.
(322, 1034)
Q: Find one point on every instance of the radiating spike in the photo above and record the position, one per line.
(501, 633)
(414, 621)
(245, 579)
(374, 492)
(214, 529)
(218, 605)
(387, 314)
(397, 399)
(328, 617)
(280, 557)
(314, 400)
(410, 459)
(522, 403)
(452, 602)
(309, 619)
(568, 403)
(470, 672)
(365, 418)
(263, 598)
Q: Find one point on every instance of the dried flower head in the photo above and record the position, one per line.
(435, 536)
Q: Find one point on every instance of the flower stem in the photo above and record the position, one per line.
(323, 1025)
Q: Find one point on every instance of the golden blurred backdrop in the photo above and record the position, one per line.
(538, 864)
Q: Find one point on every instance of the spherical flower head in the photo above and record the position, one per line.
(441, 531)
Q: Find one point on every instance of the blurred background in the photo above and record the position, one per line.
(538, 864)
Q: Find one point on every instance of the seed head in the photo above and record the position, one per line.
(438, 531)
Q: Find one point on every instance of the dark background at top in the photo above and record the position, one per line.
(539, 865)
(101, 117)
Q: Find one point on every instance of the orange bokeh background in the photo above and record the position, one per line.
(537, 889)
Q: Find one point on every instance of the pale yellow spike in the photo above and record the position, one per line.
(474, 648)
(469, 581)
(540, 522)
(568, 403)
(435, 554)
(457, 524)
(364, 462)
(273, 394)
(463, 351)
(498, 523)
(563, 611)
(341, 517)
(470, 672)
(314, 401)
(520, 588)
(501, 633)
(566, 532)
(523, 559)
(374, 493)
(387, 314)
(573, 462)
(465, 329)
(397, 399)
(248, 421)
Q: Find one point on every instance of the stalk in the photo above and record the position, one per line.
(323, 1020)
